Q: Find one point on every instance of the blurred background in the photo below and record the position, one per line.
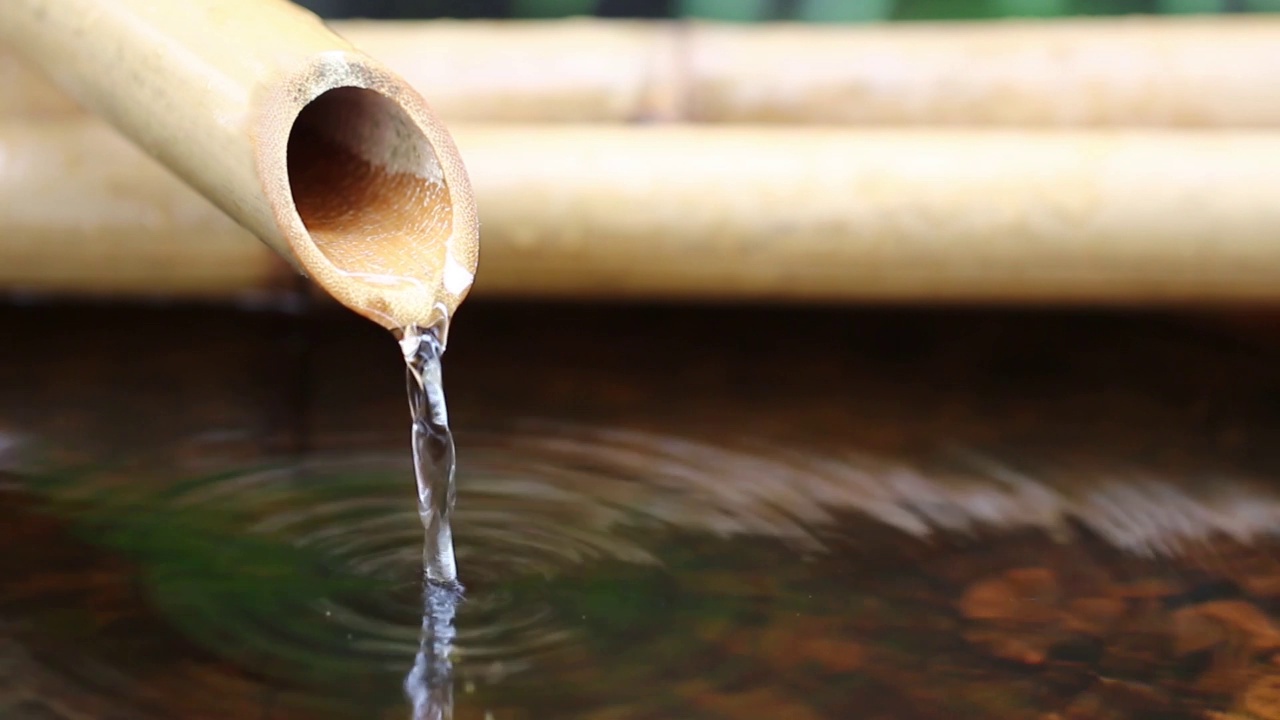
(775, 10)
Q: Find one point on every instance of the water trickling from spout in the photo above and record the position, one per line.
(433, 451)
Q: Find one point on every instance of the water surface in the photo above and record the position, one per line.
(876, 515)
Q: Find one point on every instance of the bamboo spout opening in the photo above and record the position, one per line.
(368, 187)
(326, 155)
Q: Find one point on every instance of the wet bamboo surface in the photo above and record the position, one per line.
(1147, 71)
(741, 213)
(769, 404)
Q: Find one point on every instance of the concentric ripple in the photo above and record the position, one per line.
(353, 517)
(301, 573)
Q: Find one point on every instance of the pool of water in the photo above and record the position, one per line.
(662, 513)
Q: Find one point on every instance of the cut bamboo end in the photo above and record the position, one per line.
(316, 148)
(370, 193)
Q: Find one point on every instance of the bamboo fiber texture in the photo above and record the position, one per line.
(1137, 71)
(726, 213)
(371, 199)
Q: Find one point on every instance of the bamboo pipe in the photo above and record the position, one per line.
(1152, 71)
(840, 215)
(317, 149)
(740, 213)
(1170, 72)
(85, 212)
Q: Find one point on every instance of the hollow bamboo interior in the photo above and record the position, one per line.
(318, 150)
(726, 213)
(1154, 71)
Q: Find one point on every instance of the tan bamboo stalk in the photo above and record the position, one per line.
(838, 214)
(1170, 71)
(372, 201)
(730, 213)
(28, 94)
(576, 70)
(85, 212)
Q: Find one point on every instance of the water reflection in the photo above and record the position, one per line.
(630, 581)
(1005, 520)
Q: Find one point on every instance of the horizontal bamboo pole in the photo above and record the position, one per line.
(1154, 71)
(318, 150)
(85, 212)
(731, 213)
(1170, 71)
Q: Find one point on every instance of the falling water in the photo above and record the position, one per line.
(433, 452)
(429, 685)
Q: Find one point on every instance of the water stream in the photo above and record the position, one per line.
(434, 462)
(429, 685)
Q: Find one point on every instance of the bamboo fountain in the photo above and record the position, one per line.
(328, 157)
(1104, 161)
